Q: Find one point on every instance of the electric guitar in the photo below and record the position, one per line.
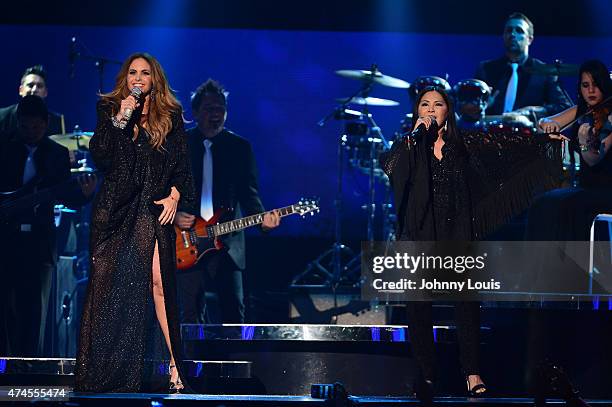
(187, 252)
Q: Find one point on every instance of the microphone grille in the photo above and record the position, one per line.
(136, 91)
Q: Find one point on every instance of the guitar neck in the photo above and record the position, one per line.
(248, 221)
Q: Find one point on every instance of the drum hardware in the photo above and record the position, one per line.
(374, 76)
(363, 141)
(75, 141)
(368, 101)
(557, 68)
(83, 168)
(511, 119)
(99, 62)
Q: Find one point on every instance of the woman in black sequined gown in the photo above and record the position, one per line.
(459, 186)
(130, 315)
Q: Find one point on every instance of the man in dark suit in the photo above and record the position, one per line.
(515, 88)
(225, 176)
(28, 251)
(33, 82)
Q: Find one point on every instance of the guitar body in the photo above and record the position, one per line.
(187, 252)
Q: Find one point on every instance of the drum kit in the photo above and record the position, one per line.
(363, 142)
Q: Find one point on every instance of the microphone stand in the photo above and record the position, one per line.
(99, 62)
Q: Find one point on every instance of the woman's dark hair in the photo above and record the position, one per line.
(451, 123)
(601, 77)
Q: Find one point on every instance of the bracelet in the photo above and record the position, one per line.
(119, 124)
(584, 147)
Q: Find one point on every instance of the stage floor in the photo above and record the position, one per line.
(150, 399)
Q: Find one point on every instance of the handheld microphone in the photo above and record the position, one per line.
(137, 93)
(421, 131)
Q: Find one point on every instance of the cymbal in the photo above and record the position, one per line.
(554, 69)
(73, 141)
(82, 170)
(368, 101)
(374, 76)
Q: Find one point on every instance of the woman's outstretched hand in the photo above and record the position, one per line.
(170, 204)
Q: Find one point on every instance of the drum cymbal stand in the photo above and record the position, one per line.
(331, 267)
(375, 136)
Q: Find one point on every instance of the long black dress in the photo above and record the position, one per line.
(119, 329)
(482, 180)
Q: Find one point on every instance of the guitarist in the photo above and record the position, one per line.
(27, 239)
(233, 184)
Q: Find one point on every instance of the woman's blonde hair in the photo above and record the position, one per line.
(162, 102)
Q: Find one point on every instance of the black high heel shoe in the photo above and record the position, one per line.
(478, 390)
(175, 387)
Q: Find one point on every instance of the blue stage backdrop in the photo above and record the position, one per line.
(281, 83)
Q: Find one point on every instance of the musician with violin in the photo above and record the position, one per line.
(225, 176)
(35, 175)
(589, 126)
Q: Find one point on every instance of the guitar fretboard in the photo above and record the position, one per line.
(243, 223)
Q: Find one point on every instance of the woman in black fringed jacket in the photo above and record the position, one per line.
(452, 185)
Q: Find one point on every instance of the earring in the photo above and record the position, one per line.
(152, 96)
(446, 125)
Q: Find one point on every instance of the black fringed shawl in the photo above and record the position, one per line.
(495, 176)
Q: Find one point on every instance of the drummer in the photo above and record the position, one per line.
(33, 82)
(514, 87)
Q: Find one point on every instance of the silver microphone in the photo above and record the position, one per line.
(136, 92)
